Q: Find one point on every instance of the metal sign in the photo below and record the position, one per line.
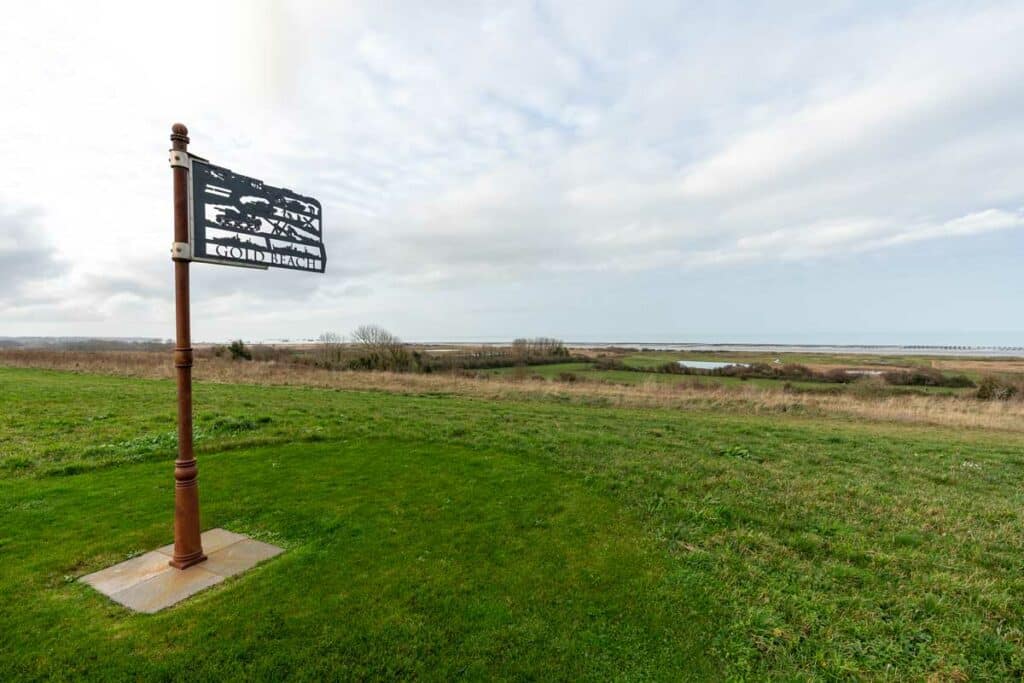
(240, 221)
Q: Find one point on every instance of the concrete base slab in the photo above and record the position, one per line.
(213, 540)
(148, 584)
(165, 589)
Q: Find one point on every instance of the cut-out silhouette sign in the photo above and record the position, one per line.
(241, 221)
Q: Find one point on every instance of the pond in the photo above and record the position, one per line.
(709, 364)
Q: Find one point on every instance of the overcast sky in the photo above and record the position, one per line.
(802, 172)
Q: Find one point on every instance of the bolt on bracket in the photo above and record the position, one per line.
(180, 159)
(181, 251)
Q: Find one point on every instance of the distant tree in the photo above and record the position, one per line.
(374, 338)
(538, 347)
(381, 350)
(330, 348)
(520, 350)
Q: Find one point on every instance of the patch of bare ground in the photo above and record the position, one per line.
(946, 411)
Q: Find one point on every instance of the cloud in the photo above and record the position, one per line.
(473, 148)
(26, 257)
(857, 236)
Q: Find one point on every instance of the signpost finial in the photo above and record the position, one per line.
(179, 134)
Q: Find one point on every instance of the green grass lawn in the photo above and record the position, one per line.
(438, 536)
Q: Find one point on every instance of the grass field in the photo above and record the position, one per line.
(438, 535)
(587, 371)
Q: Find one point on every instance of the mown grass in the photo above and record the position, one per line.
(401, 560)
(441, 536)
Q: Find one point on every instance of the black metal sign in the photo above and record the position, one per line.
(241, 221)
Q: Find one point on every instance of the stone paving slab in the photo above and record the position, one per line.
(148, 584)
(165, 589)
(213, 540)
(136, 570)
(238, 557)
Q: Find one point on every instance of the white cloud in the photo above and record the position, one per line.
(855, 236)
(482, 145)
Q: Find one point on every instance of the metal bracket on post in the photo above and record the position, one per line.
(180, 159)
(181, 251)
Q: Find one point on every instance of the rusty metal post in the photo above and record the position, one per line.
(188, 545)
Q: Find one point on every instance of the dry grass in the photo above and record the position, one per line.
(987, 366)
(947, 411)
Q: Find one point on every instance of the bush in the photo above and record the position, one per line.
(670, 368)
(870, 386)
(987, 388)
(839, 376)
(238, 350)
(609, 363)
(993, 389)
(926, 377)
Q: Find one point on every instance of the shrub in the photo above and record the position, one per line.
(238, 350)
(870, 386)
(987, 388)
(838, 376)
(926, 377)
(993, 389)
(671, 368)
(610, 363)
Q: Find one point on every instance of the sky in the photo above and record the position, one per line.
(817, 172)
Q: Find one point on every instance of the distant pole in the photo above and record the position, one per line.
(188, 545)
